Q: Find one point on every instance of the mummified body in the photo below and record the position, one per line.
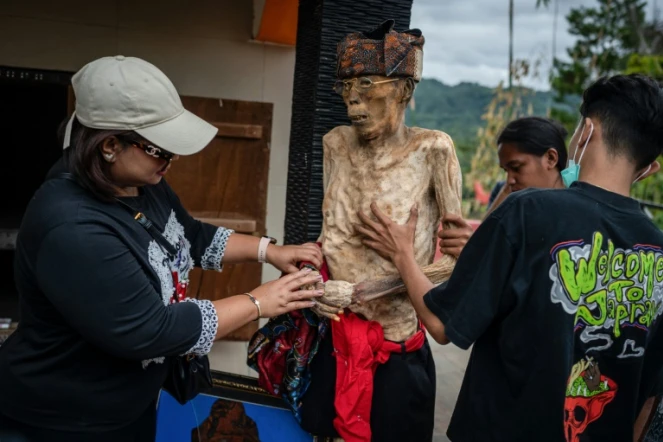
(412, 166)
(379, 159)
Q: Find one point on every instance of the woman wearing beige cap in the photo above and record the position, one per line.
(102, 263)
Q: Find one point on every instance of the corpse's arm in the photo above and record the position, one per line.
(338, 294)
(447, 182)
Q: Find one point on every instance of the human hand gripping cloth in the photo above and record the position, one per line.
(292, 337)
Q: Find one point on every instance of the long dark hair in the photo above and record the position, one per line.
(83, 158)
(535, 135)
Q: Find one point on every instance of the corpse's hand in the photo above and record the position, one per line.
(338, 295)
(453, 240)
(285, 258)
(388, 239)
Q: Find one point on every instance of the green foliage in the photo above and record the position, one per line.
(651, 65)
(606, 37)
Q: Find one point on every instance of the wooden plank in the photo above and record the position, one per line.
(236, 221)
(231, 174)
(233, 130)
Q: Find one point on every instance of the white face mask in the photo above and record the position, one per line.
(642, 174)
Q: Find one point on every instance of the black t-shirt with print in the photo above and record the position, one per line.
(96, 319)
(561, 293)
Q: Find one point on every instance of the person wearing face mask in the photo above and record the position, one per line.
(532, 152)
(559, 291)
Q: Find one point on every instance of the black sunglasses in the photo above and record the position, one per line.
(155, 152)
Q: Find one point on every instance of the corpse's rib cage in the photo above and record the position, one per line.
(316, 108)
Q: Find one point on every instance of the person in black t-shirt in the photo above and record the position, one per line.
(532, 152)
(560, 292)
(102, 295)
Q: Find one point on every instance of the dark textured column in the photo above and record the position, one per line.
(316, 109)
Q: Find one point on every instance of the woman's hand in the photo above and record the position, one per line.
(453, 240)
(285, 258)
(284, 295)
(388, 239)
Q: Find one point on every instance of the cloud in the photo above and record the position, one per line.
(468, 41)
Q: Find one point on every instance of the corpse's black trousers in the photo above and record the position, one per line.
(403, 407)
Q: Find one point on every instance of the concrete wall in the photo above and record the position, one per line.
(204, 48)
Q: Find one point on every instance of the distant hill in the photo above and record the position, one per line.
(457, 110)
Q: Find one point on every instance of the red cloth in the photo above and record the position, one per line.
(359, 347)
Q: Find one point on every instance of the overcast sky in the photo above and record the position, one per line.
(468, 40)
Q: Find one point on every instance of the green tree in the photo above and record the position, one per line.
(607, 35)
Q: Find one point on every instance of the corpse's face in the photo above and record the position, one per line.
(526, 170)
(376, 104)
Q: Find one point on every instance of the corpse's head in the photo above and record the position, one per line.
(377, 71)
(376, 103)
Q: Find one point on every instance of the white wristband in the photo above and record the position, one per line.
(262, 249)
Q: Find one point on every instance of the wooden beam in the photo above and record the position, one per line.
(236, 221)
(232, 130)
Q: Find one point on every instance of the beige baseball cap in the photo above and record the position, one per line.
(127, 93)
